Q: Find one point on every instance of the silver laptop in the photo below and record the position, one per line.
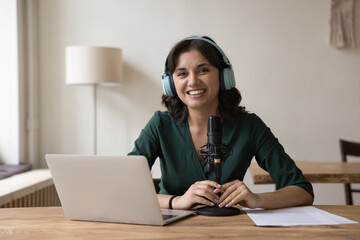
(108, 189)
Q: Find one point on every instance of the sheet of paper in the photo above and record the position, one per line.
(307, 215)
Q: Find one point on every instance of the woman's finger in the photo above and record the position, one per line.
(201, 200)
(206, 191)
(231, 193)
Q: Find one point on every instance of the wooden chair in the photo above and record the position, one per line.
(156, 184)
(349, 149)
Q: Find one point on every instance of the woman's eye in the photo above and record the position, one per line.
(181, 74)
(204, 70)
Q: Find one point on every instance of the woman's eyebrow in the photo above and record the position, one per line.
(203, 64)
(179, 69)
(198, 66)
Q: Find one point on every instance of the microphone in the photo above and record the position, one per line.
(215, 151)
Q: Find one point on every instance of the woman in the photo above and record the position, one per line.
(198, 82)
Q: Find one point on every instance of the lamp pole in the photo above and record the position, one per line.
(95, 119)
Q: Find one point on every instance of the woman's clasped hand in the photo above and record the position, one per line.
(211, 193)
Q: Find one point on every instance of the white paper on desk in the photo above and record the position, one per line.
(307, 215)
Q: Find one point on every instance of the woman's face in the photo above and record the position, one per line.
(196, 81)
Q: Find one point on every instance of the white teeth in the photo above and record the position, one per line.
(196, 92)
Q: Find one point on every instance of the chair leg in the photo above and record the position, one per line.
(348, 196)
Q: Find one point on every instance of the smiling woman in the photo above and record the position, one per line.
(198, 83)
(215, 60)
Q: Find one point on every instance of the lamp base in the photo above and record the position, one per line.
(216, 211)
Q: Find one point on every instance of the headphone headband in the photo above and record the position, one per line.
(225, 59)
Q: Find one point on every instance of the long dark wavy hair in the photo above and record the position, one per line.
(229, 100)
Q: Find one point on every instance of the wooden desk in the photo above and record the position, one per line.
(50, 223)
(315, 172)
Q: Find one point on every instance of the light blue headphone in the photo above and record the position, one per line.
(226, 75)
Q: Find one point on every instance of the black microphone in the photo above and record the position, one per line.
(215, 147)
(215, 153)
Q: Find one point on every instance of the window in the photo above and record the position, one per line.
(9, 84)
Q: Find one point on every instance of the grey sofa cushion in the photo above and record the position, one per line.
(7, 170)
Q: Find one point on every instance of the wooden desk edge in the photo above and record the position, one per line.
(260, 176)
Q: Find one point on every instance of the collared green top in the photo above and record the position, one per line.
(247, 137)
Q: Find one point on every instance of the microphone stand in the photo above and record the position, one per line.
(214, 155)
(216, 210)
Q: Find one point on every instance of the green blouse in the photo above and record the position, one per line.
(163, 137)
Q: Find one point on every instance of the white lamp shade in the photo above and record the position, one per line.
(93, 65)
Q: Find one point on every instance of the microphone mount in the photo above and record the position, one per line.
(212, 155)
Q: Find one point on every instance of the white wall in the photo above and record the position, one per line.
(9, 84)
(305, 90)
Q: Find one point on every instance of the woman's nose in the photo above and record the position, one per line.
(193, 79)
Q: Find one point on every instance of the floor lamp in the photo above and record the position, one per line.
(93, 66)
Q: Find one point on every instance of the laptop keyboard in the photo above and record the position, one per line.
(166, 216)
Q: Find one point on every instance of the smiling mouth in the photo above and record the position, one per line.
(196, 92)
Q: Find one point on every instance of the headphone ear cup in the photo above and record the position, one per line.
(228, 79)
(168, 86)
(221, 79)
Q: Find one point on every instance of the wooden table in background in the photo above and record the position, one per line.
(315, 172)
(50, 223)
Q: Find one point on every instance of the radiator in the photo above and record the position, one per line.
(30, 189)
(45, 197)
